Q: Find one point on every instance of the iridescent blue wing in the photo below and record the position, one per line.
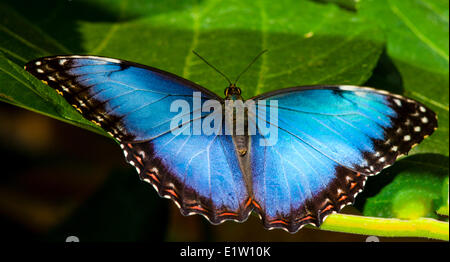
(129, 100)
(132, 102)
(329, 140)
(200, 173)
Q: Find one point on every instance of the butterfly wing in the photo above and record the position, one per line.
(129, 100)
(132, 102)
(329, 140)
(200, 173)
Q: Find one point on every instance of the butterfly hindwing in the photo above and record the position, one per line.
(329, 140)
(295, 185)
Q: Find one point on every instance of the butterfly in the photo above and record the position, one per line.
(329, 139)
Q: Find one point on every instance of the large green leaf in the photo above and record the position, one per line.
(308, 43)
(417, 35)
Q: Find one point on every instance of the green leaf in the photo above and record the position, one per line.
(308, 43)
(417, 35)
(21, 89)
(415, 190)
(346, 4)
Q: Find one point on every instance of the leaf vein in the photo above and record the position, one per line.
(417, 32)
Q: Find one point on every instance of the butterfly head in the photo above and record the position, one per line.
(233, 92)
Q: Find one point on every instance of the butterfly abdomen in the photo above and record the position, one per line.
(236, 124)
(241, 143)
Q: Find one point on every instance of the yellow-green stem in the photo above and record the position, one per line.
(388, 227)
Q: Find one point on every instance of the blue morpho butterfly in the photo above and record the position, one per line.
(330, 139)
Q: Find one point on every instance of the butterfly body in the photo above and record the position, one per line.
(292, 168)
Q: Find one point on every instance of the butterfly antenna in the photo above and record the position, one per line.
(217, 70)
(249, 65)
